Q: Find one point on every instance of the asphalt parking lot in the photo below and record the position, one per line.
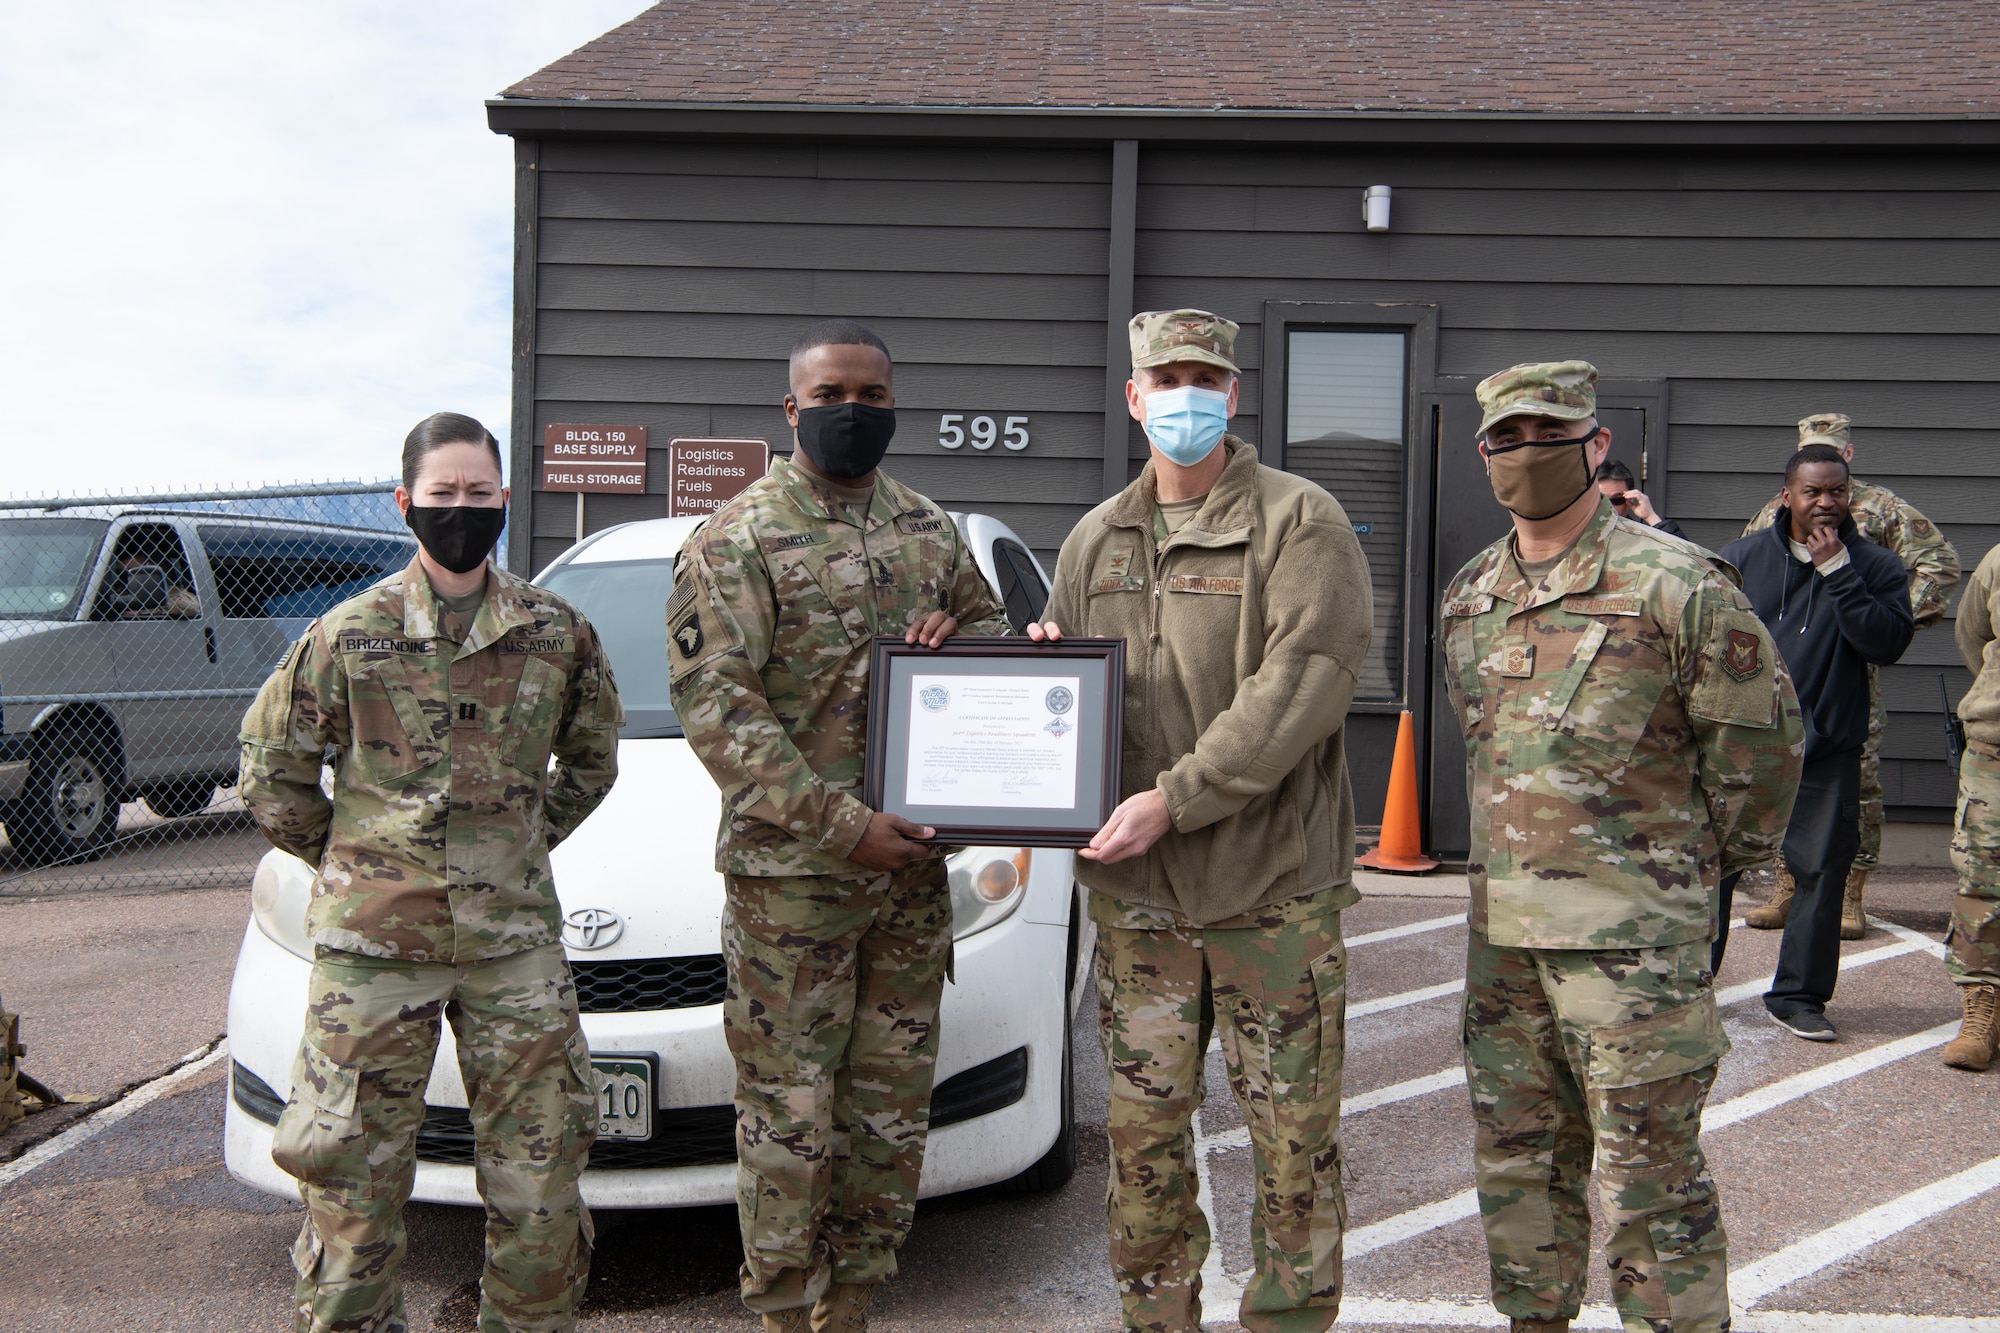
(1860, 1183)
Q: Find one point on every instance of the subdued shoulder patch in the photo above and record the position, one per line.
(1736, 683)
(1742, 654)
(695, 633)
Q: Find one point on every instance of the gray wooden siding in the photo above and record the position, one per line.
(673, 278)
(1761, 287)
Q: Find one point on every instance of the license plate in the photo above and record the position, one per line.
(624, 1096)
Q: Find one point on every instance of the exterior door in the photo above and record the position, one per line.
(1467, 519)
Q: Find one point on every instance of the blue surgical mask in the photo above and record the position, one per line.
(1186, 423)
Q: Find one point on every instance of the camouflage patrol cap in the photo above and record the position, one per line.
(1565, 390)
(1161, 336)
(1825, 428)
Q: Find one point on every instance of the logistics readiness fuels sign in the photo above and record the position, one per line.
(702, 474)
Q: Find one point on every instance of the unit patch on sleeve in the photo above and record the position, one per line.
(1742, 656)
(688, 638)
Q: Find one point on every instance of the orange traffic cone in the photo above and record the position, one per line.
(1402, 845)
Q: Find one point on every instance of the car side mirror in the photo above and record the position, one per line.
(141, 590)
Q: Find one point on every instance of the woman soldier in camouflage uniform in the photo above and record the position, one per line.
(441, 693)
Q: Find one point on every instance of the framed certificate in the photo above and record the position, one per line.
(997, 740)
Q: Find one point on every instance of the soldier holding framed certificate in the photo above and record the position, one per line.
(1218, 881)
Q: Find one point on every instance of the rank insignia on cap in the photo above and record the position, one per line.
(1744, 656)
(687, 636)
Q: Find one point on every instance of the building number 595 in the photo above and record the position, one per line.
(984, 431)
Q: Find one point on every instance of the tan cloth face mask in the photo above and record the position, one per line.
(1540, 478)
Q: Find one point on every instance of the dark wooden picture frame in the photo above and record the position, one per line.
(1101, 655)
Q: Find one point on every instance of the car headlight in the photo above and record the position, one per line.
(987, 884)
(278, 898)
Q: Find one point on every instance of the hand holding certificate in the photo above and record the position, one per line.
(992, 738)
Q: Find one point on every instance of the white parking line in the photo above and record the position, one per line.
(192, 1064)
(1368, 1311)
(1750, 990)
(1429, 1217)
(1408, 997)
(1824, 1076)
(1751, 1285)
(1809, 1256)
(1455, 1076)
(1414, 928)
(1424, 993)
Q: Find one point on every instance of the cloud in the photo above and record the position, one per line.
(256, 242)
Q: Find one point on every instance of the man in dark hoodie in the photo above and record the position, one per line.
(1834, 602)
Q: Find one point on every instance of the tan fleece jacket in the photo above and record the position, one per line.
(1978, 609)
(1244, 634)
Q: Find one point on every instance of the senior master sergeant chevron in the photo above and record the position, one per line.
(836, 925)
(443, 692)
(1631, 734)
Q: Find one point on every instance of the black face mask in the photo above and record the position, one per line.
(848, 439)
(457, 536)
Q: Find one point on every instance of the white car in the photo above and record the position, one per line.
(642, 908)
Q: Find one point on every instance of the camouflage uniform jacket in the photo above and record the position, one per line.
(775, 599)
(1887, 519)
(434, 845)
(1631, 735)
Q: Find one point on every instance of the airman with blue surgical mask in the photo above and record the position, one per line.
(1218, 882)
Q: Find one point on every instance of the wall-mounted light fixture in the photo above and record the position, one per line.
(1375, 207)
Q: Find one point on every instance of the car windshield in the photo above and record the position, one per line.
(43, 565)
(626, 603)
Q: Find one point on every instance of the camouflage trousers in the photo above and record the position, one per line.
(834, 984)
(349, 1133)
(1972, 948)
(1571, 1054)
(1277, 980)
(1870, 855)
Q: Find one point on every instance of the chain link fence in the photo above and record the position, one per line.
(134, 631)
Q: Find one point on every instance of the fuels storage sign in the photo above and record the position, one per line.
(594, 460)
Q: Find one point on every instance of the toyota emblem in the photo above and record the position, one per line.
(592, 928)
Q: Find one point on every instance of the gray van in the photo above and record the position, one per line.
(130, 645)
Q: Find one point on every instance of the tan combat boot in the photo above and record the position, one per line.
(1974, 1046)
(1853, 922)
(788, 1321)
(1771, 916)
(844, 1308)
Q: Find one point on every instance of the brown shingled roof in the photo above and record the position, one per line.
(1833, 57)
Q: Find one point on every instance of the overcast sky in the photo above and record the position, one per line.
(255, 242)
